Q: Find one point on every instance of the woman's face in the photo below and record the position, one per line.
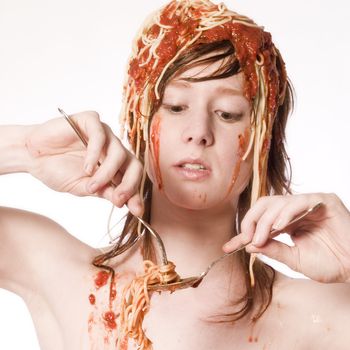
(197, 139)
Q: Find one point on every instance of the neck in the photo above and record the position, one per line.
(194, 238)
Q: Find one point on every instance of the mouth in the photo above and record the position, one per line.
(193, 169)
(193, 164)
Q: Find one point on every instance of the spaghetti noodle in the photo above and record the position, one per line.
(136, 301)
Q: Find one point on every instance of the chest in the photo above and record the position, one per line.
(86, 316)
(195, 323)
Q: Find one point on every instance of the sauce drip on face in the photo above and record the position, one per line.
(203, 197)
(242, 146)
(155, 132)
(252, 339)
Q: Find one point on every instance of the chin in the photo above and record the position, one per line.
(196, 200)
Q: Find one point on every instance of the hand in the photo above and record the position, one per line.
(321, 248)
(60, 160)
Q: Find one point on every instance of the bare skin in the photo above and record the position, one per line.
(304, 314)
(51, 270)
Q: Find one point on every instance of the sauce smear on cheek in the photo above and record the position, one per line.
(242, 146)
(155, 146)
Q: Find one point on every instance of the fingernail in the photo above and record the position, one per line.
(227, 246)
(257, 240)
(93, 187)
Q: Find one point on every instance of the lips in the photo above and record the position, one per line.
(193, 169)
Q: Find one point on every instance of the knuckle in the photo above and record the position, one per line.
(264, 222)
(124, 194)
(246, 225)
(334, 198)
(92, 115)
(130, 189)
(109, 130)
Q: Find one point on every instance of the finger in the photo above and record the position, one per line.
(96, 135)
(265, 224)
(252, 216)
(293, 208)
(106, 193)
(135, 205)
(248, 226)
(237, 242)
(115, 158)
(130, 182)
(279, 251)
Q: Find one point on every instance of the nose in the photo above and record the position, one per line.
(199, 130)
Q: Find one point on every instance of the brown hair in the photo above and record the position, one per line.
(277, 180)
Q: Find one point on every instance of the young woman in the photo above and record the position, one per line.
(205, 106)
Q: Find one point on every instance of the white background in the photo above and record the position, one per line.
(73, 54)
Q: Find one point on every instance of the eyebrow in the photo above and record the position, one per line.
(224, 90)
(229, 91)
(180, 84)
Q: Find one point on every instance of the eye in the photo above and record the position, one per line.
(229, 117)
(174, 108)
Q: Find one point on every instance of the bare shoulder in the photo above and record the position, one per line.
(320, 310)
(34, 247)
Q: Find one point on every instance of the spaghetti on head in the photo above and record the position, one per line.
(181, 35)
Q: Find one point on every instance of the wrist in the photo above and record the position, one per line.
(14, 155)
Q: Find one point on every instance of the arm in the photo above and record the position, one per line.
(53, 154)
(30, 247)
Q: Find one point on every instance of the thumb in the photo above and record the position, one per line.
(279, 251)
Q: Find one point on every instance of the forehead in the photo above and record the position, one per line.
(231, 86)
(205, 71)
